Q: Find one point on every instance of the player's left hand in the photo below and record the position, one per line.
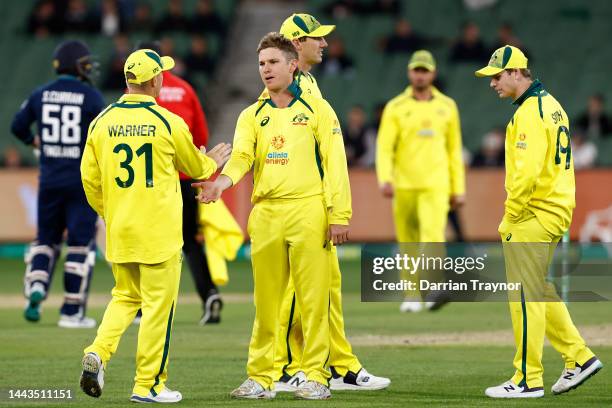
(457, 201)
(338, 234)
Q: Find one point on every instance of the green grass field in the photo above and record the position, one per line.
(206, 363)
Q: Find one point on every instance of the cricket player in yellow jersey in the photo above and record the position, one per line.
(308, 38)
(419, 159)
(293, 142)
(129, 172)
(540, 199)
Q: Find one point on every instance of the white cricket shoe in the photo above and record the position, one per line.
(313, 390)
(76, 322)
(166, 396)
(360, 381)
(92, 377)
(251, 389)
(571, 379)
(411, 307)
(290, 384)
(511, 390)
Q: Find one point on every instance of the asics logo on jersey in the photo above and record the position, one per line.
(509, 237)
(264, 121)
(131, 65)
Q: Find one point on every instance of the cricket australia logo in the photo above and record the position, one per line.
(278, 142)
(300, 120)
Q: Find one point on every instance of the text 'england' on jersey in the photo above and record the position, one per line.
(62, 110)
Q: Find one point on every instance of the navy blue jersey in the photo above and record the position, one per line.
(62, 110)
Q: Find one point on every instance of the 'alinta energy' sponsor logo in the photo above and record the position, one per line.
(282, 158)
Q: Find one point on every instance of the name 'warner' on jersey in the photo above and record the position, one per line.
(294, 151)
(539, 165)
(129, 172)
(62, 110)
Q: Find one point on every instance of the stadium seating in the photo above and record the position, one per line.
(566, 39)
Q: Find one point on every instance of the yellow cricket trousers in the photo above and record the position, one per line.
(420, 215)
(528, 250)
(288, 239)
(289, 344)
(154, 289)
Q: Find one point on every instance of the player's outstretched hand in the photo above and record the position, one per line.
(220, 153)
(338, 234)
(210, 191)
(387, 190)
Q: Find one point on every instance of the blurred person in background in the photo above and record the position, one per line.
(336, 62)
(595, 121)
(45, 19)
(173, 19)
(419, 162)
(469, 47)
(404, 39)
(584, 151)
(354, 133)
(76, 17)
(491, 152)
(198, 60)
(62, 110)
(108, 19)
(143, 17)
(506, 35)
(114, 79)
(206, 20)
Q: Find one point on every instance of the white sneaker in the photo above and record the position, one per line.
(76, 322)
(511, 390)
(290, 384)
(411, 307)
(313, 390)
(571, 379)
(251, 389)
(166, 396)
(360, 381)
(92, 377)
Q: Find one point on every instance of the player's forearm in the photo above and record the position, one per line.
(237, 166)
(224, 182)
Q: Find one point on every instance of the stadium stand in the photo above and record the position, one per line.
(567, 40)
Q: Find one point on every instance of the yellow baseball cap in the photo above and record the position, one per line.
(422, 59)
(304, 25)
(144, 64)
(506, 57)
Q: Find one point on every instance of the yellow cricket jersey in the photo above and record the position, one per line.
(419, 144)
(294, 152)
(539, 165)
(129, 172)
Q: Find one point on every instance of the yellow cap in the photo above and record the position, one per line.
(144, 64)
(304, 25)
(506, 57)
(422, 59)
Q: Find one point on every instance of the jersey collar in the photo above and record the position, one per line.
(136, 98)
(434, 92)
(534, 90)
(294, 88)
